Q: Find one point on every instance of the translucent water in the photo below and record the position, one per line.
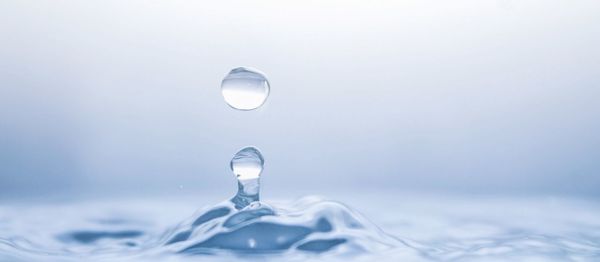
(243, 225)
(309, 225)
(246, 165)
(421, 228)
(245, 88)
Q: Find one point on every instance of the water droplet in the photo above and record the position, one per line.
(245, 88)
(247, 163)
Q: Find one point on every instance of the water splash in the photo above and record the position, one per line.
(247, 165)
(433, 229)
(309, 225)
(310, 228)
(245, 225)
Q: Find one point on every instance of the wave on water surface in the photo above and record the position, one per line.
(309, 229)
(309, 225)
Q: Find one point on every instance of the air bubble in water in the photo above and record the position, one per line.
(245, 88)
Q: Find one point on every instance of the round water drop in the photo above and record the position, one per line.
(245, 88)
(247, 163)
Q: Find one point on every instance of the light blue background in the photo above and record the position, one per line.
(122, 97)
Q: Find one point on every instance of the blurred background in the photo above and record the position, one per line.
(476, 97)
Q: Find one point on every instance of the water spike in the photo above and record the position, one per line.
(247, 165)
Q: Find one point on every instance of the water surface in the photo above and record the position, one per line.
(421, 228)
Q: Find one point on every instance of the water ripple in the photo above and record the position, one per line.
(310, 229)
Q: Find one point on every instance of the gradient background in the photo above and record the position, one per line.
(123, 97)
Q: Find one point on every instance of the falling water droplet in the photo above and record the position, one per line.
(245, 88)
(247, 164)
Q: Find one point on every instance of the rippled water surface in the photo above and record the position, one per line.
(367, 227)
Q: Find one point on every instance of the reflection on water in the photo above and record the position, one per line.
(89, 237)
(424, 228)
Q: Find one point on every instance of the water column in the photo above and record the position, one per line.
(246, 89)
